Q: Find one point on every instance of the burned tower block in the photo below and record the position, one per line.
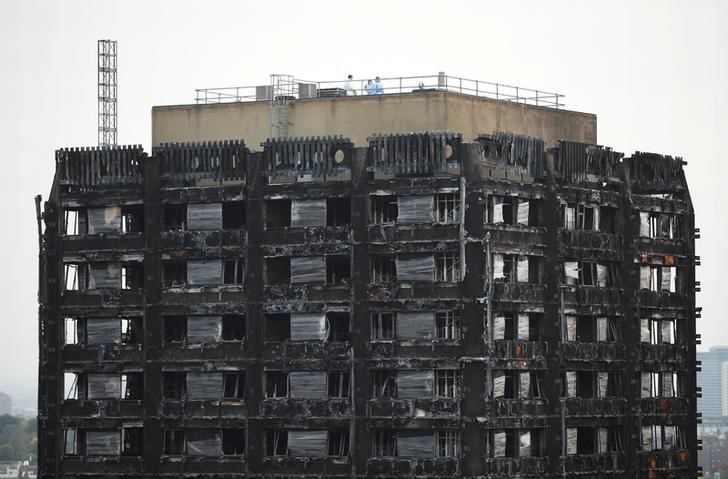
(419, 305)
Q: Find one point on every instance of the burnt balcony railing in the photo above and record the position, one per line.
(516, 466)
(601, 351)
(90, 167)
(594, 406)
(216, 160)
(413, 467)
(583, 463)
(517, 349)
(590, 245)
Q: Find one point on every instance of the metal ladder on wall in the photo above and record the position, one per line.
(282, 91)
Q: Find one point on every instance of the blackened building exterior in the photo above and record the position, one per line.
(422, 305)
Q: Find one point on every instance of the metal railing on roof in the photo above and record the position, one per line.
(392, 85)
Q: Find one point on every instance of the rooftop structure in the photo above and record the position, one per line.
(368, 301)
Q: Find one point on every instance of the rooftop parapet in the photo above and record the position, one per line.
(320, 156)
(216, 160)
(585, 163)
(95, 166)
(415, 154)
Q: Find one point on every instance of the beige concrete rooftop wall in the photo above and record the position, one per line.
(359, 117)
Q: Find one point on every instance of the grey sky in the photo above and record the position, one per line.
(654, 72)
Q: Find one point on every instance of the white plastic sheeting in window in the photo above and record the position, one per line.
(308, 327)
(644, 224)
(645, 385)
(571, 384)
(103, 443)
(523, 207)
(204, 442)
(104, 386)
(414, 384)
(308, 269)
(104, 275)
(601, 276)
(646, 438)
(522, 269)
(204, 216)
(603, 434)
(571, 435)
(415, 326)
(497, 210)
(499, 384)
(498, 266)
(524, 326)
(416, 268)
(499, 444)
(570, 327)
(645, 277)
(308, 213)
(204, 329)
(307, 384)
(415, 443)
(103, 331)
(524, 443)
(666, 331)
(524, 385)
(602, 382)
(307, 443)
(499, 327)
(644, 330)
(416, 209)
(204, 272)
(571, 269)
(668, 283)
(104, 220)
(569, 217)
(204, 386)
(667, 387)
(601, 329)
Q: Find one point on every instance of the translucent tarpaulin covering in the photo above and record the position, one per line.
(104, 275)
(204, 329)
(570, 328)
(497, 210)
(499, 327)
(204, 216)
(595, 209)
(601, 276)
(667, 282)
(602, 382)
(308, 327)
(103, 443)
(644, 277)
(416, 209)
(308, 384)
(103, 331)
(104, 386)
(204, 442)
(569, 218)
(204, 272)
(204, 386)
(104, 220)
(571, 434)
(414, 384)
(499, 384)
(308, 213)
(645, 385)
(498, 266)
(571, 269)
(416, 268)
(570, 384)
(524, 385)
(666, 330)
(415, 443)
(524, 326)
(522, 269)
(524, 443)
(644, 224)
(414, 326)
(308, 269)
(667, 384)
(603, 435)
(646, 438)
(307, 443)
(645, 330)
(601, 329)
(523, 207)
(499, 444)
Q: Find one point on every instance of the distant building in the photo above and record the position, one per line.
(6, 404)
(713, 379)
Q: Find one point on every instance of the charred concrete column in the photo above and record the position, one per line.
(153, 435)
(473, 405)
(255, 218)
(360, 333)
(50, 375)
(552, 329)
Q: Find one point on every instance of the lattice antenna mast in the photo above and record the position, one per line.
(107, 91)
(281, 92)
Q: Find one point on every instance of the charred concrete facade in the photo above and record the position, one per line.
(422, 306)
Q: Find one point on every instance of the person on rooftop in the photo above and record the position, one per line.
(349, 86)
(378, 86)
(370, 88)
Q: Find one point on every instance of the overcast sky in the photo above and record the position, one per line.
(654, 72)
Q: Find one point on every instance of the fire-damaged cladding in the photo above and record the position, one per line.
(515, 153)
(415, 153)
(314, 157)
(422, 306)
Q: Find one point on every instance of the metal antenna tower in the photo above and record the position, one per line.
(107, 92)
(281, 92)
